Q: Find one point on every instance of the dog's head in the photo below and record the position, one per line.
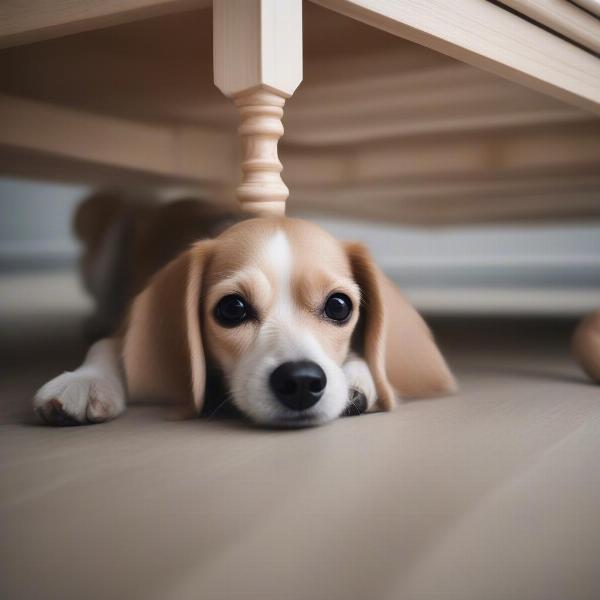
(276, 305)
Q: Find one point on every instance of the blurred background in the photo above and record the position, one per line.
(489, 269)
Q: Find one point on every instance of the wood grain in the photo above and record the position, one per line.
(487, 36)
(257, 49)
(27, 21)
(180, 153)
(563, 17)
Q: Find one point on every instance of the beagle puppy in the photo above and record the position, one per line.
(298, 327)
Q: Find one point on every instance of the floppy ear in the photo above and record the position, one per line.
(586, 345)
(396, 343)
(163, 353)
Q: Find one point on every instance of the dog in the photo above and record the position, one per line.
(297, 327)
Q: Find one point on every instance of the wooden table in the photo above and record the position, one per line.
(413, 110)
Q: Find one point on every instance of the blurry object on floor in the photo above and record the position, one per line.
(586, 345)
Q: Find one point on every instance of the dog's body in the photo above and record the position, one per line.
(125, 240)
(301, 327)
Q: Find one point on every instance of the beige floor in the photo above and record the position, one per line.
(492, 494)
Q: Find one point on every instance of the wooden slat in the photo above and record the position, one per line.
(387, 104)
(592, 6)
(450, 201)
(27, 21)
(185, 153)
(572, 147)
(487, 36)
(563, 17)
(548, 172)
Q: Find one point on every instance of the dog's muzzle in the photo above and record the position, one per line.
(298, 385)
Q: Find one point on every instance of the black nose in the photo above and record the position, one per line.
(298, 385)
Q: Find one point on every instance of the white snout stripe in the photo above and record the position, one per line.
(278, 255)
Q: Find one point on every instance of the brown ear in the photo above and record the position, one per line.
(396, 343)
(162, 352)
(586, 345)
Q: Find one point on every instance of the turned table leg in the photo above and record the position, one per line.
(258, 63)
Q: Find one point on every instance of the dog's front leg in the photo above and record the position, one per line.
(362, 394)
(93, 393)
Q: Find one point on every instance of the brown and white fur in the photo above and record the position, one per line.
(285, 270)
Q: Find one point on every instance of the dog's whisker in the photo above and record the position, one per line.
(228, 399)
(216, 410)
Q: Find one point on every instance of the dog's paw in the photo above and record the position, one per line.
(82, 396)
(362, 394)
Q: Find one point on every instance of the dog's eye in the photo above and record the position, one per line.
(232, 310)
(338, 307)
